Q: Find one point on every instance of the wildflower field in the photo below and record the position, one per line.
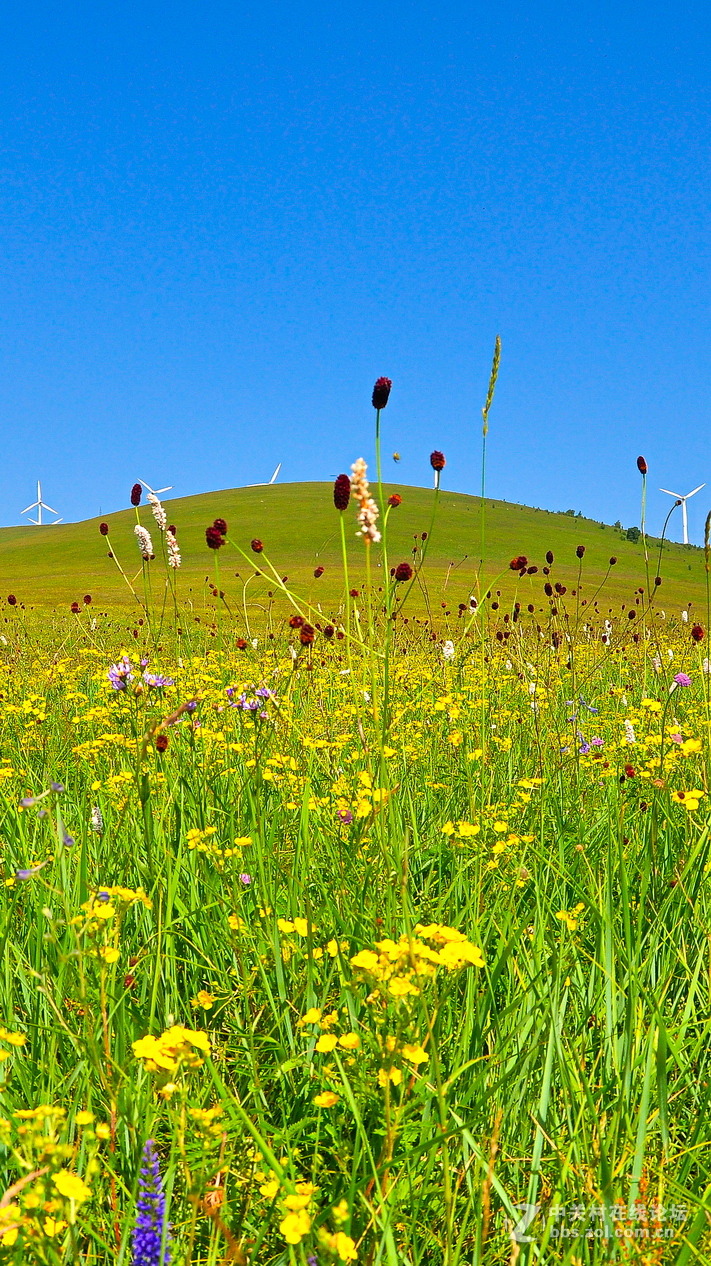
(355, 935)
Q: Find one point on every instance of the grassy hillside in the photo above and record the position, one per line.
(53, 566)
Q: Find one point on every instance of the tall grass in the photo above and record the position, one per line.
(426, 982)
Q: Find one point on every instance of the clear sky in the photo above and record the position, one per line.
(221, 222)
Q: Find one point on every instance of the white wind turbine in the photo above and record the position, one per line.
(39, 505)
(156, 491)
(271, 481)
(682, 502)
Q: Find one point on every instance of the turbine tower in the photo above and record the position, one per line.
(39, 505)
(682, 502)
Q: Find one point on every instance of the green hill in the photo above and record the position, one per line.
(54, 566)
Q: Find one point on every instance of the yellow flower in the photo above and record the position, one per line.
(349, 1041)
(295, 1226)
(71, 1186)
(203, 999)
(326, 1099)
(269, 1189)
(312, 1016)
(415, 1054)
(296, 1203)
(327, 1042)
(53, 1226)
(302, 927)
(285, 925)
(109, 954)
(399, 987)
(14, 1039)
(345, 1247)
(385, 1075)
(84, 1117)
(366, 960)
(103, 1130)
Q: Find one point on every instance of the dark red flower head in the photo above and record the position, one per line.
(257, 545)
(613, 560)
(381, 392)
(642, 466)
(403, 571)
(172, 529)
(12, 599)
(241, 644)
(104, 529)
(629, 771)
(519, 563)
(580, 551)
(162, 743)
(136, 492)
(342, 492)
(395, 500)
(76, 608)
(307, 634)
(549, 557)
(697, 633)
(318, 572)
(329, 631)
(215, 539)
(296, 621)
(87, 599)
(437, 460)
(220, 526)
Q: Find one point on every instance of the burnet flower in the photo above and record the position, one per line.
(145, 543)
(368, 511)
(159, 513)
(174, 559)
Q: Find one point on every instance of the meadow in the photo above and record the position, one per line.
(371, 927)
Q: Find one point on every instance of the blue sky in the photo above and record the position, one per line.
(220, 223)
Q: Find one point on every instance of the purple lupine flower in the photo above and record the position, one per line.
(28, 874)
(584, 749)
(151, 1225)
(681, 679)
(56, 786)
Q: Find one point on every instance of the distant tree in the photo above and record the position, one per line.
(633, 534)
(571, 513)
(618, 525)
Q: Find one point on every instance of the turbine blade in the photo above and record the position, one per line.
(32, 507)
(693, 494)
(672, 494)
(46, 507)
(276, 472)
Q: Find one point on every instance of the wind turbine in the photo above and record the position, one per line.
(156, 491)
(682, 502)
(271, 481)
(39, 505)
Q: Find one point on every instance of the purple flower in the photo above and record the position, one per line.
(67, 840)
(597, 742)
(156, 681)
(245, 879)
(27, 874)
(681, 679)
(120, 674)
(151, 1226)
(28, 802)
(584, 749)
(345, 816)
(56, 786)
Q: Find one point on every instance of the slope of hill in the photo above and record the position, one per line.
(54, 566)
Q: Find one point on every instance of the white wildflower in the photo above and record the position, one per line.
(629, 732)
(448, 650)
(707, 666)
(255, 642)
(670, 653)
(174, 559)
(685, 617)
(657, 664)
(159, 513)
(368, 511)
(145, 543)
(96, 822)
